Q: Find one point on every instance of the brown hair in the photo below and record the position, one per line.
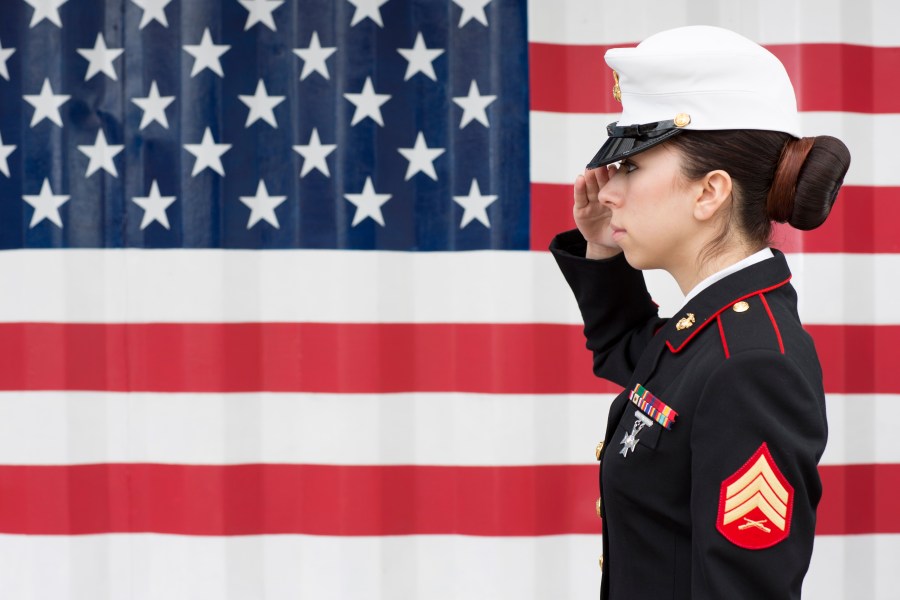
(776, 176)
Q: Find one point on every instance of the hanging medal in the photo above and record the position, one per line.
(650, 409)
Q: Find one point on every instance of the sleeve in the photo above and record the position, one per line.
(758, 433)
(619, 316)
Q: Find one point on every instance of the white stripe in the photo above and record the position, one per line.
(58, 428)
(169, 567)
(866, 22)
(215, 286)
(352, 429)
(563, 143)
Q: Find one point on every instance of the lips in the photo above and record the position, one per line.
(617, 232)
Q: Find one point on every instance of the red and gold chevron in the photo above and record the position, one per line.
(755, 503)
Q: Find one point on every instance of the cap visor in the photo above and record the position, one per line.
(619, 148)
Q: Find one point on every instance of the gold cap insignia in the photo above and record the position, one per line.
(740, 307)
(617, 91)
(685, 322)
(682, 120)
(599, 504)
(598, 450)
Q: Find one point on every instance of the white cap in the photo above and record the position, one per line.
(697, 77)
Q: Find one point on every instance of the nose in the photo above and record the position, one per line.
(611, 194)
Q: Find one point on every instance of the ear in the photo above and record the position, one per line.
(714, 191)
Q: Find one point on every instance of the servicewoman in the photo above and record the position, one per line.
(708, 475)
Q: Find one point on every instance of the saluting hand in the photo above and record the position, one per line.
(591, 215)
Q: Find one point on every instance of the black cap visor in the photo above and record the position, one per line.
(628, 140)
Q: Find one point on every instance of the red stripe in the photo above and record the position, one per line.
(575, 79)
(364, 358)
(362, 500)
(722, 336)
(863, 221)
(772, 319)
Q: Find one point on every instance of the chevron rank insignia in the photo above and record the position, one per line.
(755, 503)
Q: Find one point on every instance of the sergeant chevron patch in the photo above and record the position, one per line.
(755, 503)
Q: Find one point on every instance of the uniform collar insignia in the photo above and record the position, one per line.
(760, 277)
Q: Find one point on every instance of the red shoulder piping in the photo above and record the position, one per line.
(774, 324)
(722, 335)
(718, 312)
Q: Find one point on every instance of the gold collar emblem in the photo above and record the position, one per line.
(617, 91)
(685, 322)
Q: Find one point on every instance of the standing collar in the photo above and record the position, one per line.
(722, 274)
(705, 306)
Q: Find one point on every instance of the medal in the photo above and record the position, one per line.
(630, 440)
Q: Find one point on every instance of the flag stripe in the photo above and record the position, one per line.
(446, 567)
(311, 357)
(562, 143)
(363, 500)
(64, 428)
(850, 227)
(577, 80)
(124, 286)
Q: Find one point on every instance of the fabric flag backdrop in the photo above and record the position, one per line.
(277, 316)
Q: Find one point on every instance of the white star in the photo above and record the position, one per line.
(421, 158)
(5, 151)
(261, 106)
(154, 207)
(154, 107)
(474, 106)
(46, 9)
(367, 8)
(368, 103)
(262, 206)
(46, 205)
(101, 155)
(100, 58)
(368, 204)
(314, 57)
(46, 104)
(206, 55)
(154, 10)
(260, 11)
(475, 206)
(420, 58)
(472, 9)
(314, 154)
(5, 53)
(208, 153)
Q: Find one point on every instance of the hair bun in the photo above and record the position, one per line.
(820, 180)
(809, 174)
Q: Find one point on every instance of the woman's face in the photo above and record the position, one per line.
(652, 206)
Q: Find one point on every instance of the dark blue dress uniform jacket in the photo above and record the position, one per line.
(740, 380)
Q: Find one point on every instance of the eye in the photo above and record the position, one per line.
(627, 166)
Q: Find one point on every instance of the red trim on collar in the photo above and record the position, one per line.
(774, 324)
(700, 327)
(722, 335)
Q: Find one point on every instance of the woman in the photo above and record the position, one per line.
(709, 483)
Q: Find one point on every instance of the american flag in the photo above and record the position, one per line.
(277, 315)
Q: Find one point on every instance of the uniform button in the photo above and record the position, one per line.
(600, 562)
(599, 504)
(598, 450)
(740, 307)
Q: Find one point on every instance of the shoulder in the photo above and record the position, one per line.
(765, 321)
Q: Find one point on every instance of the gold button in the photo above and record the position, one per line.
(682, 120)
(599, 504)
(601, 563)
(741, 307)
(598, 450)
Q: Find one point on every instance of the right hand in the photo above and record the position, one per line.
(591, 215)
